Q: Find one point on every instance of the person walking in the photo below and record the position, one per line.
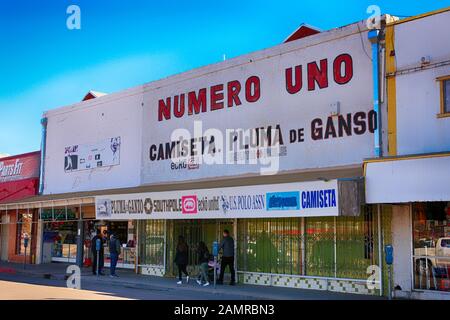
(227, 247)
(203, 259)
(97, 254)
(114, 252)
(182, 258)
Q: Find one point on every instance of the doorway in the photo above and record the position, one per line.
(193, 232)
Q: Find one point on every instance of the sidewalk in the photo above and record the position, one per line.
(130, 279)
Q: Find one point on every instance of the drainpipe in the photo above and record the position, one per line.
(373, 38)
(43, 147)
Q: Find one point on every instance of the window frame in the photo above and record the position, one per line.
(442, 113)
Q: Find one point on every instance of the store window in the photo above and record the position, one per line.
(341, 247)
(270, 245)
(356, 244)
(60, 234)
(60, 238)
(152, 242)
(431, 242)
(24, 226)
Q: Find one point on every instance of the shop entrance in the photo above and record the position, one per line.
(124, 231)
(195, 231)
(60, 241)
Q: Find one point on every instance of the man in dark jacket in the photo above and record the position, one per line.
(100, 253)
(227, 247)
(114, 252)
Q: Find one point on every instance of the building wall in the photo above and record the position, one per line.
(275, 106)
(414, 95)
(89, 123)
(419, 130)
(133, 114)
(15, 190)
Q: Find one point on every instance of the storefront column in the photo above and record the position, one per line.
(137, 246)
(380, 249)
(303, 245)
(165, 246)
(402, 243)
(39, 238)
(80, 239)
(235, 232)
(335, 247)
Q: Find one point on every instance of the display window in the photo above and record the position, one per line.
(431, 245)
(24, 231)
(340, 247)
(62, 236)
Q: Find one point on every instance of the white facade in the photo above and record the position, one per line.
(89, 124)
(275, 106)
(335, 81)
(419, 130)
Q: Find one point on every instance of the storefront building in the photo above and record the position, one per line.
(19, 179)
(268, 145)
(279, 146)
(411, 178)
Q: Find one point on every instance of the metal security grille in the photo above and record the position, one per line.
(270, 245)
(193, 232)
(151, 242)
(340, 247)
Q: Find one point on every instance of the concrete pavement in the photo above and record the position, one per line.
(11, 290)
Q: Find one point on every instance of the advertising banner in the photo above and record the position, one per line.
(90, 156)
(300, 199)
(19, 167)
(302, 105)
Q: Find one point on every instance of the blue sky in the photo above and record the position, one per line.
(121, 44)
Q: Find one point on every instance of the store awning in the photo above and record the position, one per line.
(408, 179)
(88, 197)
